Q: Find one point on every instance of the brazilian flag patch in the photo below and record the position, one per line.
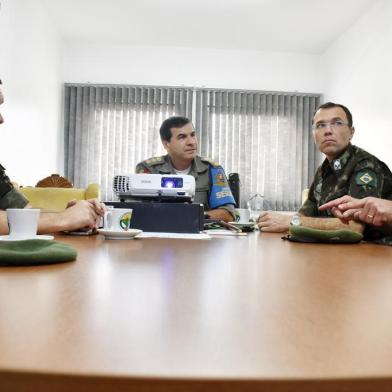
(366, 178)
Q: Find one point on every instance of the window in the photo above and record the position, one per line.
(109, 129)
(264, 136)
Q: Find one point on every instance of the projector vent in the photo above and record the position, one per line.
(121, 184)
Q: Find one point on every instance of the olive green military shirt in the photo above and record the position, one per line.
(199, 170)
(9, 196)
(356, 173)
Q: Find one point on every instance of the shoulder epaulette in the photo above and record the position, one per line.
(362, 154)
(210, 161)
(365, 159)
(155, 161)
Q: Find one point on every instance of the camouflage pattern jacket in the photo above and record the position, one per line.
(200, 169)
(356, 173)
(9, 196)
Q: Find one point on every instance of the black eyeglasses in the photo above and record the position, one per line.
(333, 124)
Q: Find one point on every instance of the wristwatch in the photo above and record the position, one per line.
(295, 220)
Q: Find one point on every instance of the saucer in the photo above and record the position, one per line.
(119, 235)
(36, 237)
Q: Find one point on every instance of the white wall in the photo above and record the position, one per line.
(191, 67)
(357, 71)
(30, 71)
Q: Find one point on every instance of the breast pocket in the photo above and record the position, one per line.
(201, 195)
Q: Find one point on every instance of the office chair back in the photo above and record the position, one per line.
(234, 183)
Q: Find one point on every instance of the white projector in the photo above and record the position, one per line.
(155, 186)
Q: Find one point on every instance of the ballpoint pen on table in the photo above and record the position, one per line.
(230, 226)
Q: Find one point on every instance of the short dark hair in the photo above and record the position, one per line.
(329, 105)
(169, 123)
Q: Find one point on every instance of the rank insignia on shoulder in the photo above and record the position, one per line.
(210, 161)
(154, 160)
(367, 178)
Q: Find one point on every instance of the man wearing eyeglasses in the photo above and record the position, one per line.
(347, 170)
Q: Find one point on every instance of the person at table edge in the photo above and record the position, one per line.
(78, 215)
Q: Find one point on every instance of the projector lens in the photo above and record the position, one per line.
(171, 182)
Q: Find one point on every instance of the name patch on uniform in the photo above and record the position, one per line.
(366, 178)
(220, 194)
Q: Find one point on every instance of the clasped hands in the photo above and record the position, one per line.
(370, 210)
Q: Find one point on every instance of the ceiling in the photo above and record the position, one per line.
(304, 26)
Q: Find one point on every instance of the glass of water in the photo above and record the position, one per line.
(255, 206)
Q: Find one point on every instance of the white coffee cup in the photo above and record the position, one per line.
(118, 219)
(243, 215)
(22, 222)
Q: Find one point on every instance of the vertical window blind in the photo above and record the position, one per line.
(263, 136)
(266, 137)
(109, 129)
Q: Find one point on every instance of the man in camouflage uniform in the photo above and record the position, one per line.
(81, 214)
(356, 173)
(212, 190)
(347, 170)
(9, 197)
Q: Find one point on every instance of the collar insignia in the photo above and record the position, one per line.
(337, 165)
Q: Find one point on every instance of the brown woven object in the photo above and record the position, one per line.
(54, 181)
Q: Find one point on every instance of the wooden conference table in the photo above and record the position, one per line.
(229, 314)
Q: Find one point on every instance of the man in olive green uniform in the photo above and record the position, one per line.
(81, 214)
(347, 170)
(212, 190)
